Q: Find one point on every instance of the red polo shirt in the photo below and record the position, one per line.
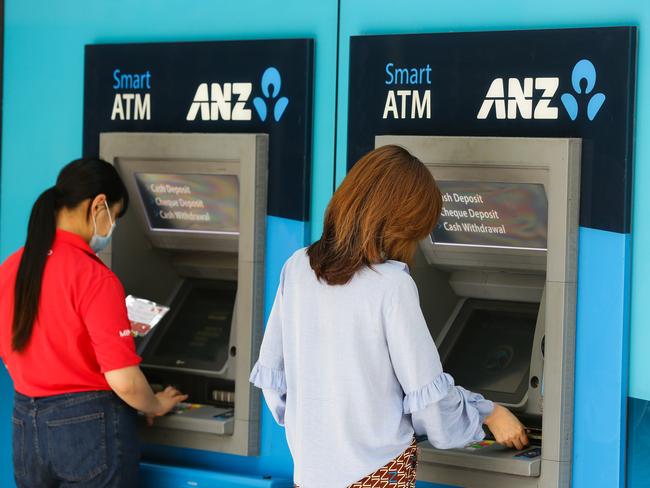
(82, 329)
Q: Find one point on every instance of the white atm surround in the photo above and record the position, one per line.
(548, 278)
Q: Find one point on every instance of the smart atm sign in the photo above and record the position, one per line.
(132, 98)
(414, 99)
(577, 83)
(262, 87)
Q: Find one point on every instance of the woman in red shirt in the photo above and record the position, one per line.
(65, 339)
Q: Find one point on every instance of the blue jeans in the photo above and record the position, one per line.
(79, 440)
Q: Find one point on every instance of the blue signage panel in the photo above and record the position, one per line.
(535, 83)
(226, 86)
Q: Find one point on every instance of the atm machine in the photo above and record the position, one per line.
(497, 285)
(194, 240)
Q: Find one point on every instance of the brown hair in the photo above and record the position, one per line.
(386, 204)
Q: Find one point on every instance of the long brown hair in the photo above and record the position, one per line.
(386, 204)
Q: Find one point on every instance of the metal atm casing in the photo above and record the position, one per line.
(153, 264)
(556, 164)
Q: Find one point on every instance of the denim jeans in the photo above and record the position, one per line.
(78, 440)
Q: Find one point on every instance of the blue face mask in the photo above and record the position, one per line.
(98, 243)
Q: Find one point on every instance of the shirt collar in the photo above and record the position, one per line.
(404, 266)
(75, 240)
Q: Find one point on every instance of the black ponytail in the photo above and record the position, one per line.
(80, 180)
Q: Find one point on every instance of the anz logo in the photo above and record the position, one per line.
(583, 70)
(531, 98)
(229, 101)
(225, 101)
(518, 100)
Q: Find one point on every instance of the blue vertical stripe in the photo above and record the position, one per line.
(601, 372)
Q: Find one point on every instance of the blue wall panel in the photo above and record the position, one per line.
(43, 79)
(161, 476)
(606, 257)
(609, 255)
(601, 360)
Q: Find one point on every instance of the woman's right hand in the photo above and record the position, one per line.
(506, 428)
(168, 399)
(131, 386)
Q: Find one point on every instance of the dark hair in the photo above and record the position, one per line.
(80, 180)
(386, 204)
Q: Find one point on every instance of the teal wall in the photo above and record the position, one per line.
(42, 122)
(600, 435)
(359, 17)
(43, 79)
(43, 86)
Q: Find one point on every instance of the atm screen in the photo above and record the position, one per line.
(197, 334)
(497, 215)
(488, 348)
(190, 202)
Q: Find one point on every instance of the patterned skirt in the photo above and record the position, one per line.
(398, 473)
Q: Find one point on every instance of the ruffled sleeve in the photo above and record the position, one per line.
(268, 372)
(268, 378)
(428, 394)
(274, 387)
(450, 416)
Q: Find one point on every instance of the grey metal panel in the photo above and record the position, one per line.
(494, 458)
(559, 371)
(508, 159)
(437, 299)
(556, 164)
(471, 478)
(206, 419)
(156, 273)
(535, 403)
(238, 443)
(556, 474)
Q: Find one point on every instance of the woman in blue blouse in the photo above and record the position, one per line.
(347, 363)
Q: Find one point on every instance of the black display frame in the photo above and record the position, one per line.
(139, 184)
(148, 349)
(450, 342)
(463, 66)
(176, 69)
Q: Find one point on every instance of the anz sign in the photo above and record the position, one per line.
(532, 98)
(230, 101)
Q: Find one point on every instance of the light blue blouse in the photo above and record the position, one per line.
(352, 373)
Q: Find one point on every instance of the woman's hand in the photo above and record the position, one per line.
(168, 399)
(506, 428)
(132, 387)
